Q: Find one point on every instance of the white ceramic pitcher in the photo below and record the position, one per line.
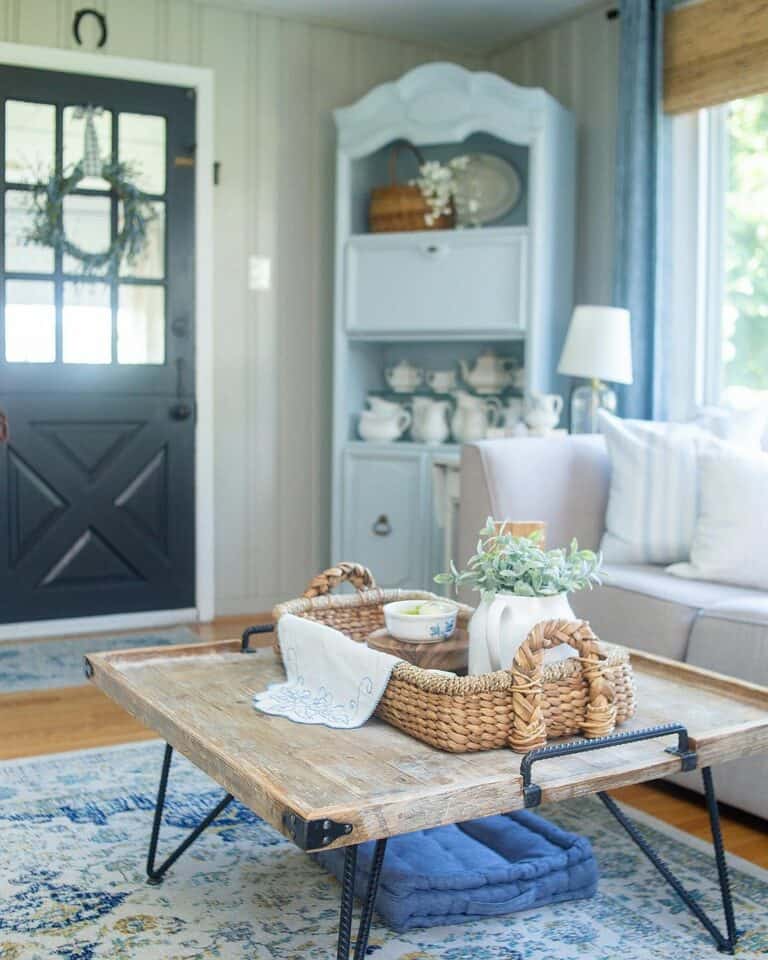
(499, 626)
(543, 411)
(383, 429)
(430, 420)
(473, 415)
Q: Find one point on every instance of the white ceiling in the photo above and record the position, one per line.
(480, 26)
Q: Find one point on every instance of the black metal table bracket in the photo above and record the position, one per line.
(313, 834)
(725, 943)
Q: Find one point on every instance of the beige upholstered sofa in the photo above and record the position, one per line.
(565, 482)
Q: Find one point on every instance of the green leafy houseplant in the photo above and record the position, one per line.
(518, 565)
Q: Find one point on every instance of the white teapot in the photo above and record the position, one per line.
(430, 420)
(543, 412)
(441, 381)
(404, 377)
(383, 428)
(490, 374)
(473, 416)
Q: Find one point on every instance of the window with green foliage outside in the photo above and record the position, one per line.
(745, 293)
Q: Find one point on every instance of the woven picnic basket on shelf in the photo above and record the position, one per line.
(401, 206)
(520, 708)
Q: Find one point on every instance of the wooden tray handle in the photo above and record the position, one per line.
(395, 152)
(528, 727)
(359, 576)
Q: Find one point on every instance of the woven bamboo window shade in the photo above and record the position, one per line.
(714, 51)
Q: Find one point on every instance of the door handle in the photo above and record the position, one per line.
(382, 527)
(5, 433)
(181, 411)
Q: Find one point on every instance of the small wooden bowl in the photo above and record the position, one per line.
(451, 655)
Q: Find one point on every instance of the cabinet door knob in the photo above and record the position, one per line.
(382, 527)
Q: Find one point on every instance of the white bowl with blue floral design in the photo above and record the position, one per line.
(421, 621)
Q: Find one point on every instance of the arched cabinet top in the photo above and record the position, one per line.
(443, 103)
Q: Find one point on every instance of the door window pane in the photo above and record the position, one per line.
(73, 137)
(29, 141)
(86, 224)
(87, 323)
(30, 322)
(20, 255)
(150, 264)
(141, 139)
(141, 324)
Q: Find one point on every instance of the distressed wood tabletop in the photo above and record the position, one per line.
(377, 779)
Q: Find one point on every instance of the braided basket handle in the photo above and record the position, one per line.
(359, 576)
(528, 727)
(395, 153)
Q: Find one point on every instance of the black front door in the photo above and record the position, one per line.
(97, 507)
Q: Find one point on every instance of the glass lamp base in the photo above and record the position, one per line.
(586, 401)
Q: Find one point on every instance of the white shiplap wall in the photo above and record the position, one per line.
(577, 62)
(276, 84)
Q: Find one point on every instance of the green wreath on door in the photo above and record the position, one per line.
(137, 209)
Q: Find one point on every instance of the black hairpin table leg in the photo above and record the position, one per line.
(155, 874)
(727, 943)
(344, 948)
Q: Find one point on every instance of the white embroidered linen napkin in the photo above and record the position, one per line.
(331, 679)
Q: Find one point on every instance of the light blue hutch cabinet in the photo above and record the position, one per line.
(436, 297)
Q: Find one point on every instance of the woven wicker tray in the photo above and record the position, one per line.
(520, 708)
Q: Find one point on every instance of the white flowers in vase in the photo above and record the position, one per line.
(438, 185)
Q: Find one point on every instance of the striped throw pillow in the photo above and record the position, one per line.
(653, 501)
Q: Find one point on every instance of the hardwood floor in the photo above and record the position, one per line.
(74, 718)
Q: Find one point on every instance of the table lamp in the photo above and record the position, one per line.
(598, 347)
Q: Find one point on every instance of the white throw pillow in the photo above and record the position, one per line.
(729, 544)
(652, 506)
(742, 427)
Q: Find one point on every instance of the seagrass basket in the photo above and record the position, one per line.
(400, 206)
(520, 708)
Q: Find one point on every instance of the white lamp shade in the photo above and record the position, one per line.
(598, 345)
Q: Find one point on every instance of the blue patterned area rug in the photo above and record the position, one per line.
(45, 664)
(73, 837)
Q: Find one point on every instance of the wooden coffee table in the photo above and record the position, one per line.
(325, 788)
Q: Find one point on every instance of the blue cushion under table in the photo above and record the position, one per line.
(468, 871)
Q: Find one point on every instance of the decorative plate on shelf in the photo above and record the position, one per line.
(488, 188)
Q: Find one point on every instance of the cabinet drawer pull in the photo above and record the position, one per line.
(434, 250)
(382, 527)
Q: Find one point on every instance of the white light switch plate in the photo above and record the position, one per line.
(259, 272)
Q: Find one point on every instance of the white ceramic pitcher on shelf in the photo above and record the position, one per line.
(384, 428)
(430, 420)
(543, 412)
(473, 415)
(382, 407)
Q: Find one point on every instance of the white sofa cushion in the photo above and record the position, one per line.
(652, 505)
(729, 543)
(642, 606)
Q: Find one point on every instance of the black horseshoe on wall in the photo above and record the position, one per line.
(89, 12)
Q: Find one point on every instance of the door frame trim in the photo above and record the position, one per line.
(201, 79)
